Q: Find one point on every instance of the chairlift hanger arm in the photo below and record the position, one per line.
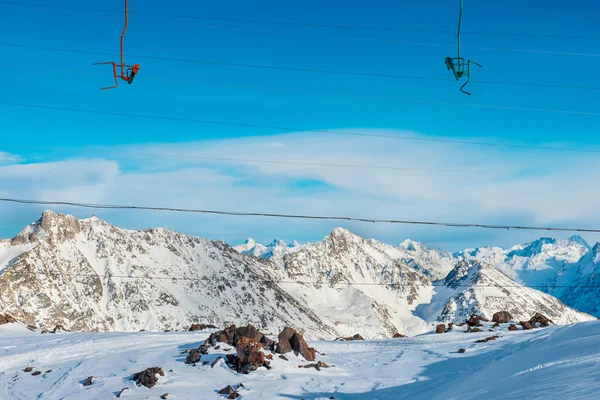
(127, 72)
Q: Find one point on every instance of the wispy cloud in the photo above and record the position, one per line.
(496, 185)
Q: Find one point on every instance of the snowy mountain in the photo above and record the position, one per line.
(532, 263)
(578, 284)
(277, 249)
(389, 288)
(479, 288)
(352, 282)
(89, 275)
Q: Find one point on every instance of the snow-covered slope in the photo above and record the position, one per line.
(89, 275)
(478, 288)
(546, 364)
(578, 284)
(346, 279)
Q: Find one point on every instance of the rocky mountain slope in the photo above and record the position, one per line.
(89, 275)
(478, 288)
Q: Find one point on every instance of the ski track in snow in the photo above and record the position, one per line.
(553, 363)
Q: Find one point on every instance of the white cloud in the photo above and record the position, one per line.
(499, 185)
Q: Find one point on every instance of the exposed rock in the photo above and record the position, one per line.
(269, 356)
(164, 396)
(121, 392)
(148, 376)
(7, 319)
(232, 335)
(193, 357)
(284, 345)
(284, 357)
(233, 395)
(475, 329)
(487, 339)
(526, 325)
(513, 327)
(462, 350)
(249, 351)
(35, 373)
(540, 319)
(398, 335)
(48, 371)
(28, 369)
(227, 390)
(201, 327)
(316, 366)
(290, 340)
(441, 328)
(355, 337)
(216, 361)
(450, 326)
(475, 320)
(88, 381)
(501, 317)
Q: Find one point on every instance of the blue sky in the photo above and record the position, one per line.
(518, 185)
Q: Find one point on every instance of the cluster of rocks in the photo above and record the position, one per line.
(537, 319)
(250, 345)
(7, 319)
(398, 335)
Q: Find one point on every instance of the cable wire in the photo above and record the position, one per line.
(296, 129)
(302, 24)
(309, 70)
(294, 216)
(329, 94)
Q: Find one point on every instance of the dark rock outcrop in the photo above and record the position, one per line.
(441, 328)
(526, 325)
(502, 317)
(290, 340)
(513, 327)
(475, 320)
(201, 327)
(398, 335)
(462, 350)
(487, 339)
(193, 357)
(88, 381)
(7, 319)
(148, 376)
(540, 319)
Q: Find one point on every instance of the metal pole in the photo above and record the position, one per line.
(459, 22)
(123, 37)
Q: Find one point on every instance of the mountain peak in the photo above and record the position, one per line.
(56, 226)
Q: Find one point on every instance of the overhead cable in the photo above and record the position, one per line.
(295, 129)
(295, 216)
(304, 24)
(308, 70)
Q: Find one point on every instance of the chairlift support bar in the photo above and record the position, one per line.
(128, 72)
(457, 65)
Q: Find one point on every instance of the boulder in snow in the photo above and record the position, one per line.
(148, 376)
(501, 317)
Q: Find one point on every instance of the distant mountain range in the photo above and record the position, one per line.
(89, 275)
